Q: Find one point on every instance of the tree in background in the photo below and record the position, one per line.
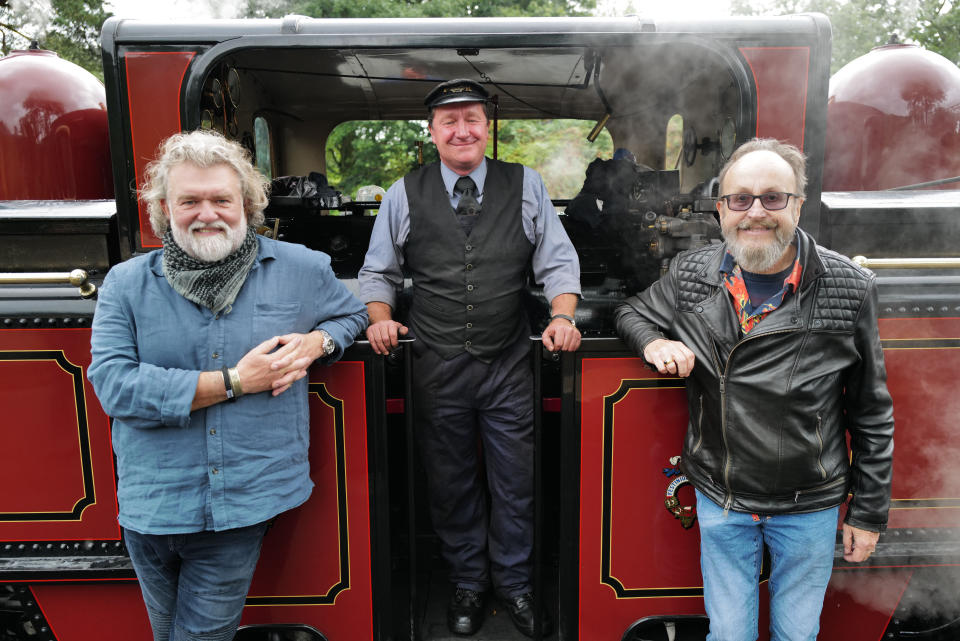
(938, 28)
(861, 25)
(71, 28)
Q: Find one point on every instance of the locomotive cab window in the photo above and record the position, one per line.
(364, 156)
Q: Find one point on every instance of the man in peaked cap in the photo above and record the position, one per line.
(468, 229)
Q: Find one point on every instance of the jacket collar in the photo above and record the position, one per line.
(806, 250)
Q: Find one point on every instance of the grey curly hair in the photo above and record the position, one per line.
(792, 155)
(203, 149)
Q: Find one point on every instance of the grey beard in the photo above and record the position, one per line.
(210, 250)
(759, 259)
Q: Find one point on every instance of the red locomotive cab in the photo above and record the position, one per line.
(893, 120)
(53, 130)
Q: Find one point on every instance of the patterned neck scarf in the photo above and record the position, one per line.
(212, 285)
(733, 281)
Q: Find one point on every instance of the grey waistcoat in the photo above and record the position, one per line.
(467, 289)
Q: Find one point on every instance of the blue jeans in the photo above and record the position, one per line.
(194, 585)
(731, 552)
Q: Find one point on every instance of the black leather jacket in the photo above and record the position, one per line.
(769, 410)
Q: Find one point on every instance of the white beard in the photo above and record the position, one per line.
(759, 258)
(210, 249)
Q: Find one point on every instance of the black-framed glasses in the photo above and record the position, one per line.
(771, 201)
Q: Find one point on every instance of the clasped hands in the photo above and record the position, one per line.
(279, 362)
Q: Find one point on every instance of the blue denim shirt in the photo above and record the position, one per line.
(232, 464)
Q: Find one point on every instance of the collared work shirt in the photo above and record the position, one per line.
(555, 262)
(231, 464)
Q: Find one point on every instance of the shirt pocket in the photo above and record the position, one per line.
(274, 319)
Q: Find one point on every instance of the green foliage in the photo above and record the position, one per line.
(71, 28)
(380, 152)
(558, 149)
(938, 28)
(860, 25)
(375, 152)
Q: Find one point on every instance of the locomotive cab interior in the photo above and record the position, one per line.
(676, 97)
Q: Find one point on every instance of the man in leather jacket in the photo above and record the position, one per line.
(777, 338)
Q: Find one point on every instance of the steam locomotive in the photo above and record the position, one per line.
(616, 554)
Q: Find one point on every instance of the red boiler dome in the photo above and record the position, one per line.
(893, 119)
(53, 130)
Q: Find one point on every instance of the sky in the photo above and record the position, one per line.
(192, 9)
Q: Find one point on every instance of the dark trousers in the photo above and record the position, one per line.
(461, 406)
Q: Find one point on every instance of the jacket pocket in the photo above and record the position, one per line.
(698, 423)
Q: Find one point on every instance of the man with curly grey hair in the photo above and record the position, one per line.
(200, 353)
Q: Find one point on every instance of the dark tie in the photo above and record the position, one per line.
(468, 208)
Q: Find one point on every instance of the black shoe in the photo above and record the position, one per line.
(465, 611)
(521, 611)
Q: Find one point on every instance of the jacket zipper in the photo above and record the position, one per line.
(728, 501)
(823, 471)
(819, 488)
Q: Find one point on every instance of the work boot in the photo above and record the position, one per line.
(522, 614)
(465, 611)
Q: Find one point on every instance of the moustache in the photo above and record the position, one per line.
(219, 226)
(760, 224)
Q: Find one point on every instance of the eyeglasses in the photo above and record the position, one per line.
(771, 201)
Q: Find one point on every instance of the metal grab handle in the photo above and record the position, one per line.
(77, 277)
(907, 263)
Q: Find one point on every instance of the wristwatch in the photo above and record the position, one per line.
(564, 317)
(329, 347)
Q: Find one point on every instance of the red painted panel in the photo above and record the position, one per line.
(57, 454)
(923, 363)
(648, 548)
(105, 611)
(301, 560)
(919, 328)
(154, 80)
(780, 75)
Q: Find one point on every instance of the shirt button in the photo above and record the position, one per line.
(216, 471)
(469, 308)
(469, 288)
(699, 308)
(213, 431)
(216, 355)
(468, 343)
(469, 325)
(469, 247)
(469, 266)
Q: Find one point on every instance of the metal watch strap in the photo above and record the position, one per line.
(564, 317)
(327, 343)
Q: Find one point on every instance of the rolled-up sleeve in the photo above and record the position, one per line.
(141, 394)
(555, 263)
(341, 314)
(381, 276)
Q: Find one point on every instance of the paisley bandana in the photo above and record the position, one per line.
(733, 280)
